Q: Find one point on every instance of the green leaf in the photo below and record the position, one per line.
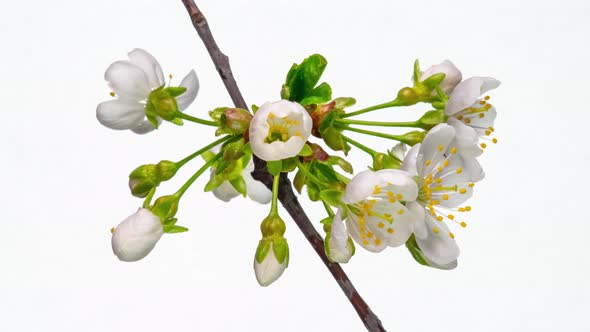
(302, 78)
(274, 167)
(299, 181)
(306, 151)
(332, 197)
(342, 102)
(319, 95)
(415, 251)
(325, 172)
(239, 185)
(289, 165)
(170, 229)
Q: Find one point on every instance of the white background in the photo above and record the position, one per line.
(524, 264)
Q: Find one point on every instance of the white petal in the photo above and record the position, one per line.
(464, 95)
(452, 75)
(417, 212)
(410, 161)
(489, 83)
(270, 269)
(120, 114)
(400, 182)
(466, 138)
(191, 83)
(399, 151)
(149, 65)
(128, 80)
(256, 190)
(360, 187)
(483, 124)
(353, 227)
(433, 147)
(339, 236)
(473, 168)
(136, 236)
(144, 127)
(439, 247)
(448, 266)
(225, 192)
(397, 232)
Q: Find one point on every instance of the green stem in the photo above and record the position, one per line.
(275, 195)
(197, 120)
(374, 133)
(367, 149)
(412, 124)
(393, 103)
(148, 199)
(201, 151)
(190, 181)
(309, 175)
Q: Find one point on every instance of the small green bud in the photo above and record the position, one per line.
(408, 96)
(142, 180)
(165, 170)
(385, 161)
(273, 225)
(432, 118)
(165, 207)
(236, 120)
(413, 137)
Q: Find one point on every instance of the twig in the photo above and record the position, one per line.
(286, 195)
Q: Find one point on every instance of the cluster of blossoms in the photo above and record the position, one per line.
(412, 194)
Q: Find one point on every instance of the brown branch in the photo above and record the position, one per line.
(286, 195)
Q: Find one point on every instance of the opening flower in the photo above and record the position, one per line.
(132, 82)
(136, 236)
(444, 186)
(279, 130)
(374, 209)
(452, 75)
(338, 245)
(256, 190)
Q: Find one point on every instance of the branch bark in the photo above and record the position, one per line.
(286, 195)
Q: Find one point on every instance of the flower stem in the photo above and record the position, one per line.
(197, 120)
(275, 195)
(393, 103)
(201, 151)
(148, 199)
(311, 176)
(365, 148)
(375, 133)
(195, 176)
(412, 124)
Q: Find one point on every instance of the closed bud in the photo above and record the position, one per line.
(432, 118)
(165, 207)
(408, 96)
(236, 120)
(165, 170)
(142, 180)
(136, 236)
(338, 245)
(271, 259)
(318, 113)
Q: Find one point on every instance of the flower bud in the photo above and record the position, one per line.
(318, 153)
(142, 180)
(432, 118)
(165, 170)
(408, 96)
(444, 74)
(136, 236)
(236, 120)
(165, 207)
(272, 225)
(337, 254)
(413, 137)
(271, 259)
(318, 114)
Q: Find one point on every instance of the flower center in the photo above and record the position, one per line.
(282, 129)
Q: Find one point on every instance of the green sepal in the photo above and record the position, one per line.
(332, 197)
(239, 185)
(438, 105)
(433, 81)
(151, 115)
(177, 121)
(343, 102)
(325, 172)
(301, 79)
(175, 91)
(341, 162)
(217, 113)
(262, 250)
(171, 229)
(274, 167)
(413, 137)
(289, 165)
(281, 249)
(165, 207)
(299, 181)
(306, 151)
(385, 161)
(416, 251)
(313, 191)
(234, 150)
(334, 140)
(171, 221)
(254, 109)
(417, 72)
(248, 149)
(432, 118)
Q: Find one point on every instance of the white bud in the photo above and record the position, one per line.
(136, 236)
(452, 75)
(269, 269)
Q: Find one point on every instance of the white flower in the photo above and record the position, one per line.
(136, 236)
(473, 119)
(452, 75)
(338, 245)
(375, 216)
(132, 81)
(444, 185)
(256, 190)
(269, 269)
(279, 130)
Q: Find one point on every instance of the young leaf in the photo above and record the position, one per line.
(332, 197)
(302, 78)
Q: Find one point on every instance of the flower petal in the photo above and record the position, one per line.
(191, 83)
(225, 192)
(473, 168)
(360, 187)
(399, 151)
(433, 147)
(149, 65)
(144, 127)
(256, 190)
(417, 212)
(353, 227)
(270, 269)
(438, 246)
(466, 138)
(400, 182)
(339, 236)
(127, 80)
(136, 236)
(409, 165)
(120, 114)
(452, 75)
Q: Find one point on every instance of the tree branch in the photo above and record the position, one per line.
(286, 195)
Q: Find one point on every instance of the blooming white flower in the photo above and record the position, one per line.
(132, 81)
(338, 245)
(136, 236)
(256, 190)
(473, 119)
(269, 269)
(279, 130)
(373, 209)
(444, 185)
(452, 75)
